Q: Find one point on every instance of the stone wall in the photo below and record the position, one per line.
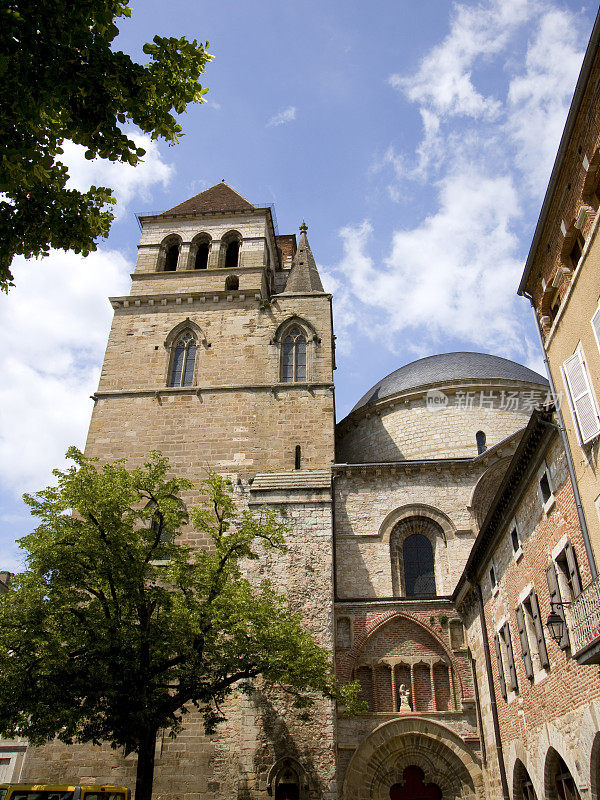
(404, 427)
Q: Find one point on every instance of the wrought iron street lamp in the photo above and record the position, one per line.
(556, 622)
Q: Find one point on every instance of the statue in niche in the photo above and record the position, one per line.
(404, 706)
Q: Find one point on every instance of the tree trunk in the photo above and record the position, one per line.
(145, 765)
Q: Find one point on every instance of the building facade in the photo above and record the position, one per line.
(436, 531)
(562, 281)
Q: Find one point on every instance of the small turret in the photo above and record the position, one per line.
(304, 276)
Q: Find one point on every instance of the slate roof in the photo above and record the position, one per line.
(447, 367)
(304, 276)
(220, 197)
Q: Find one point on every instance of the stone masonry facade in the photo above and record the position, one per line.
(401, 556)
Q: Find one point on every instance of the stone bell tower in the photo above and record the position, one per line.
(221, 357)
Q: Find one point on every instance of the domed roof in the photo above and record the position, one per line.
(448, 367)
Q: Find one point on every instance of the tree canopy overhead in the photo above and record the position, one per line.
(117, 627)
(61, 80)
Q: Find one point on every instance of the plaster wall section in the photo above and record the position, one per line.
(566, 294)
(406, 427)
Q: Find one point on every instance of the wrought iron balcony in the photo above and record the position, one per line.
(583, 621)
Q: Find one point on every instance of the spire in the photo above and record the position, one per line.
(304, 276)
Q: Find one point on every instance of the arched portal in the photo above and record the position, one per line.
(559, 780)
(414, 787)
(410, 755)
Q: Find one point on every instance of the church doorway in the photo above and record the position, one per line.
(287, 791)
(414, 787)
(287, 786)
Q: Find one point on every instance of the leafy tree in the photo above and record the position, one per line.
(116, 628)
(60, 79)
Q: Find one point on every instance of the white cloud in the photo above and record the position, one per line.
(53, 330)
(486, 155)
(126, 181)
(283, 117)
(454, 275)
(444, 80)
(538, 99)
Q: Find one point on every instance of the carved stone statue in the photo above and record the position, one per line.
(404, 700)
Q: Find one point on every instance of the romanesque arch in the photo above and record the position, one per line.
(382, 758)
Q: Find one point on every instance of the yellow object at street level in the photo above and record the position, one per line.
(55, 791)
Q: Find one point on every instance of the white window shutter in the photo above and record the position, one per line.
(581, 397)
(596, 326)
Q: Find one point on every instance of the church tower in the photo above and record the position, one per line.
(221, 357)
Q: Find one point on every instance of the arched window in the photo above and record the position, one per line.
(184, 361)
(232, 283)
(412, 556)
(293, 359)
(419, 577)
(201, 260)
(171, 257)
(480, 439)
(232, 254)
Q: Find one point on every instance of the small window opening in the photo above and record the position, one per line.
(232, 255)
(545, 488)
(577, 250)
(492, 577)
(343, 632)
(457, 635)
(171, 258)
(297, 457)
(514, 537)
(232, 282)
(481, 445)
(201, 261)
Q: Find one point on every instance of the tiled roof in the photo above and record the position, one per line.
(220, 197)
(446, 367)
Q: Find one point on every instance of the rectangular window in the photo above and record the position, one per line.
(577, 250)
(514, 537)
(545, 490)
(567, 572)
(531, 635)
(580, 397)
(493, 581)
(596, 325)
(507, 672)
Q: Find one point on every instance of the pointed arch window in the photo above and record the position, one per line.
(293, 360)
(184, 361)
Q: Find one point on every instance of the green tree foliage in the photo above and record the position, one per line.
(61, 80)
(117, 628)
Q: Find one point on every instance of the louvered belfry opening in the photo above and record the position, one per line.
(412, 555)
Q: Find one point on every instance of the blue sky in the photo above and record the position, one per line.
(416, 139)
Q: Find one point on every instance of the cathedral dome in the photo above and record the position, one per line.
(448, 367)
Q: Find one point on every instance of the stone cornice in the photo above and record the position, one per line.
(179, 298)
(501, 450)
(178, 273)
(166, 391)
